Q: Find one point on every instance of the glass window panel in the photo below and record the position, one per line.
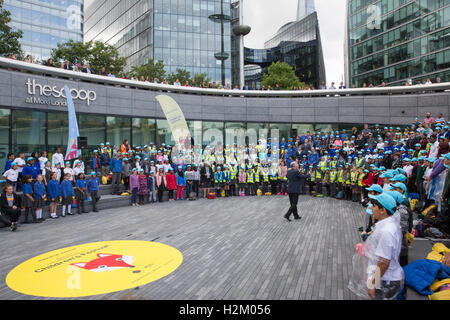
(58, 124)
(92, 127)
(284, 130)
(117, 130)
(163, 133)
(4, 136)
(144, 131)
(212, 133)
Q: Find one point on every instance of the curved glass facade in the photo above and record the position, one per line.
(296, 43)
(397, 40)
(177, 32)
(46, 23)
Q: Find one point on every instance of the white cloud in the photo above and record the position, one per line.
(267, 16)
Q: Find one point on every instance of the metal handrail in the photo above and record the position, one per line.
(38, 69)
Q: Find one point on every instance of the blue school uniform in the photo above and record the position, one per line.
(54, 189)
(27, 189)
(93, 183)
(8, 165)
(30, 170)
(39, 190)
(67, 189)
(81, 183)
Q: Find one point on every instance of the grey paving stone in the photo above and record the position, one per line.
(233, 248)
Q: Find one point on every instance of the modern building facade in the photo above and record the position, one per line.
(397, 40)
(304, 8)
(297, 43)
(194, 35)
(111, 109)
(46, 23)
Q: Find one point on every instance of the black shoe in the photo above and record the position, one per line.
(297, 218)
(35, 221)
(95, 210)
(84, 212)
(26, 222)
(70, 214)
(287, 218)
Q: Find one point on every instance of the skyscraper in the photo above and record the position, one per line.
(46, 23)
(297, 43)
(194, 35)
(397, 41)
(304, 8)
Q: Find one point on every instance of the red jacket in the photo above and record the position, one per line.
(171, 181)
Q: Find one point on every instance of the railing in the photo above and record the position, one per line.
(37, 69)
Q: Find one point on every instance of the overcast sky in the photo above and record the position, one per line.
(267, 16)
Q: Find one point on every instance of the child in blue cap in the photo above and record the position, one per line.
(383, 276)
(92, 188)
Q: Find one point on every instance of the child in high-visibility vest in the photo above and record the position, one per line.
(312, 180)
(318, 180)
(251, 182)
(273, 177)
(354, 183)
(326, 181)
(362, 175)
(265, 179)
(333, 181)
(347, 182)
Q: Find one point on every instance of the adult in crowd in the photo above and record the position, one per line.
(295, 182)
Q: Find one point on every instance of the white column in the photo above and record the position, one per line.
(241, 46)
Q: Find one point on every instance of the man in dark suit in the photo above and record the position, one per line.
(295, 182)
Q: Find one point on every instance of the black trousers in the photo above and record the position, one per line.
(12, 214)
(293, 200)
(94, 195)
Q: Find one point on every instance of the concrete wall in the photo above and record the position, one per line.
(113, 100)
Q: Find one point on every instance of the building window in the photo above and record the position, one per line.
(144, 131)
(4, 136)
(58, 127)
(164, 134)
(92, 127)
(117, 130)
(28, 131)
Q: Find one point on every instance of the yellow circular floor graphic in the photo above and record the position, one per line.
(94, 268)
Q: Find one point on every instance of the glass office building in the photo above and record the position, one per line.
(194, 35)
(397, 40)
(46, 23)
(297, 43)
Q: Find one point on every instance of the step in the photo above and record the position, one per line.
(107, 201)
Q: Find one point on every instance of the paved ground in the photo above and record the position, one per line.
(233, 248)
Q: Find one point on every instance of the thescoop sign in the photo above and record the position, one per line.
(34, 88)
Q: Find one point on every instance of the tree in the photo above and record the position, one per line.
(75, 52)
(200, 78)
(282, 74)
(182, 75)
(9, 39)
(105, 55)
(150, 69)
(97, 54)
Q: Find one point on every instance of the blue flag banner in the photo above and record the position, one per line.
(72, 144)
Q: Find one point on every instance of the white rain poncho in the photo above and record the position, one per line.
(364, 263)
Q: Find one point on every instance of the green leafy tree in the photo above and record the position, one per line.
(282, 74)
(9, 39)
(181, 74)
(200, 78)
(150, 69)
(105, 55)
(97, 54)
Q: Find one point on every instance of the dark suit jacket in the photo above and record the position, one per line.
(295, 181)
